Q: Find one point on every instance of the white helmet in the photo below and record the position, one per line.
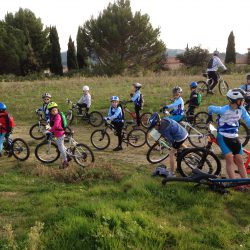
(235, 94)
(46, 95)
(137, 85)
(216, 53)
(114, 98)
(177, 89)
(85, 88)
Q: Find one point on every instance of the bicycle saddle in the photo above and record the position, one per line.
(199, 174)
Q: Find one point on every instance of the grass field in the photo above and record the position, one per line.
(114, 204)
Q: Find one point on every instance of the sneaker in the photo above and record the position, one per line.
(171, 174)
(242, 188)
(118, 148)
(210, 92)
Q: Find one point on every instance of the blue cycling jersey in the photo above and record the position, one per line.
(115, 114)
(177, 107)
(228, 119)
(45, 111)
(136, 98)
(172, 130)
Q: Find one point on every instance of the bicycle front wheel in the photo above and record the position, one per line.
(36, 131)
(136, 137)
(20, 149)
(100, 139)
(202, 87)
(145, 119)
(193, 158)
(158, 152)
(70, 116)
(223, 87)
(95, 119)
(83, 155)
(197, 134)
(244, 134)
(47, 152)
(149, 139)
(201, 117)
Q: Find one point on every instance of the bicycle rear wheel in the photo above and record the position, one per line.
(192, 158)
(244, 134)
(47, 152)
(20, 149)
(202, 87)
(197, 134)
(223, 87)
(158, 152)
(95, 119)
(145, 118)
(136, 137)
(100, 139)
(36, 131)
(149, 139)
(83, 155)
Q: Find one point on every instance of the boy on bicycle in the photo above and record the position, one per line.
(46, 100)
(6, 125)
(85, 100)
(57, 131)
(173, 132)
(136, 98)
(115, 115)
(246, 88)
(227, 127)
(177, 112)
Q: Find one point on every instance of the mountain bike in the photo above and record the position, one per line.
(144, 116)
(17, 147)
(37, 130)
(212, 181)
(47, 151)
(100, 138)
(94, 118)
(204, 86)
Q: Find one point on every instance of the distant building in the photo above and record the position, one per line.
(172, 63)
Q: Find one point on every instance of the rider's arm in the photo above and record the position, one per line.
(174, 104)
(216, 110)
(118, 111)
(245, 116)
(81, 100)
(220, 64)
(88, 100)
(57, 124)
(135, 96)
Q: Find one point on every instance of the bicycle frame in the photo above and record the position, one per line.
(186, 124)
(73, 107)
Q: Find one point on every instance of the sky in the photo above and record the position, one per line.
(195, 22)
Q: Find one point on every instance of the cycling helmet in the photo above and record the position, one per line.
(114, 98)
(177, 89)
(216, 53)
(48, 95)
(137, 85)
(193, 85)
(2, 106)
(235, 94)
(52, 105)
(154, 118)
(248, 76)
(85, 88)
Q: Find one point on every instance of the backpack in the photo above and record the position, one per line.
(123, 115)
(210, 63)
(199, 98)
(9, 123)
(63, 120)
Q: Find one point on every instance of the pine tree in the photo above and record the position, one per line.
(82, 52)
(55, 52)
(71, 55)
(230, 51)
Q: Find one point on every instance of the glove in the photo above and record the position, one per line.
(209, 119)
(131, 94)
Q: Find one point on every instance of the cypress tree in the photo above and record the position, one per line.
(71, 55)
(248, 56)
(230, 52)
(82, 52)
(55, 52)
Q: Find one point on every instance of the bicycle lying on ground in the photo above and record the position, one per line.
(100, 138)
(17, 147)
(47, 151)
(204, 86)
(94, 118)
(37, 130)
(212, 181)
(144, 116)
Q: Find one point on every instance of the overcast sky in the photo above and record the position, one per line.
(196, 22)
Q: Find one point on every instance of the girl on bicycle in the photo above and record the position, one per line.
(227, 127)
(115, 115)
(85, 100)
(58, 131)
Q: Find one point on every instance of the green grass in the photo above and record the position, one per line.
(115, 204)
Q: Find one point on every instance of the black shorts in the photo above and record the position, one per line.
(177, 144)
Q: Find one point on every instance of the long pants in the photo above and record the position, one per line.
(83, 105)
(118, 128)
(190, 113)
(137, 112)
(2, 136)
(214, 76)
(61, 147)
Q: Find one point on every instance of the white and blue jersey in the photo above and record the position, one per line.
(228, 119)
(136, 98)
(177, 107)
(115, 114)
(45, 111)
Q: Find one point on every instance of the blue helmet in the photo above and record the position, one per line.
(114, 98)
(2, 106)
(193, 85)
(154, 118)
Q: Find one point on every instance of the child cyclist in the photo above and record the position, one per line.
(136, 98)
(85, 100)
(6, 125)
(58, 131)
(46, 100)
(246, 88)
(227, 127)
(177, 112)
(173, 132)
(115, 115)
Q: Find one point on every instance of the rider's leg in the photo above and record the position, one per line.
(230, 165)
(240, 164)
(172, 159)
(62, 149)
(137, 112)
(214, 76)
(176, 118)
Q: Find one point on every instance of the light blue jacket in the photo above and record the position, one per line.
(177, 107)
